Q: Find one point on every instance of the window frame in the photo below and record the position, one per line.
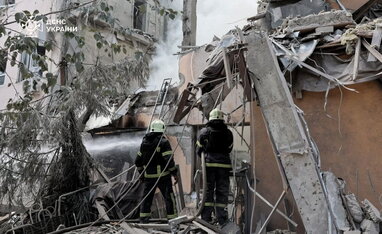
(3, 73)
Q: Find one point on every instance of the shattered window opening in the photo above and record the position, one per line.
(30, 63)
(139, 15)
(3, 65)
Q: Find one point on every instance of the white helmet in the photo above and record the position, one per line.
(157, 126)
(216, 114)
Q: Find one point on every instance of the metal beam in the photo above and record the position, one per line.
(272, 212)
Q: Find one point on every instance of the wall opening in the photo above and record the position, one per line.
(140, 9)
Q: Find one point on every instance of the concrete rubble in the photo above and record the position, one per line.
(354, 208)
(311, 22)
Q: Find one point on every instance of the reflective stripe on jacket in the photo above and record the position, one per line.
(153, 156)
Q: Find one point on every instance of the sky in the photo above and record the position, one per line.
(214, 17)
(217, 17)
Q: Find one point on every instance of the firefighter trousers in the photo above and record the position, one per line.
(165, 187)
(217, 194)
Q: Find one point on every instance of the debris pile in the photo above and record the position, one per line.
(349, 214)
(315, 52)
(327, 50)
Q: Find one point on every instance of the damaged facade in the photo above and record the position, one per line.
(300, 86)
(137, 30)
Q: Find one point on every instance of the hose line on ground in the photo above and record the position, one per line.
(204, 197)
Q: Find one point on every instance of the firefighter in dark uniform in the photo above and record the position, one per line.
(216, 141)
(156, 147)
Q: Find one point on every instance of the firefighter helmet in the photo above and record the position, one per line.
(157, 126)
(216, 114)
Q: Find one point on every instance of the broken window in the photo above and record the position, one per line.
(30, 63)
(139, 21)
(3, 64)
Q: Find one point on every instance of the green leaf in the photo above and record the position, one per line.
(48, 45)
(80, 41)
(142, 8)
(2, 30)
(49, 75)
(97, 36)
(69, 34)
(34, 86)
(68, 57)
(52, 80)
(79, 67)
(27, 13)
(44, 87)
(38, 18)
(103, 5)
(19, 16)
(99, 45)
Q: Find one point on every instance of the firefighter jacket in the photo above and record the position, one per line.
(157, 147)
(216, 141)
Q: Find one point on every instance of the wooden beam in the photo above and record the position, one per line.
(357, 15)
(227, 67)
(101, 211)
(356, 59)
(243, 72)
(373, 51)
(375, 42)
(256, 17)
(204, 228)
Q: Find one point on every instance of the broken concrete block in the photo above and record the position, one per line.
(231, 228)
(281, 232)
(325, 30)
(311, 22)
(369, 227)
(335, 202)
(354, 207)
(371, 211)
(352, 232)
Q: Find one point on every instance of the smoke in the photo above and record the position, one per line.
(214, 17)
(165, 63)
(217, 17)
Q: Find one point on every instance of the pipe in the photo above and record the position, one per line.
(68, 229)
(204, 195)
(272, 212)
(167, 86)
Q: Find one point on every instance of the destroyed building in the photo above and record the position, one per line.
(300, 86)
